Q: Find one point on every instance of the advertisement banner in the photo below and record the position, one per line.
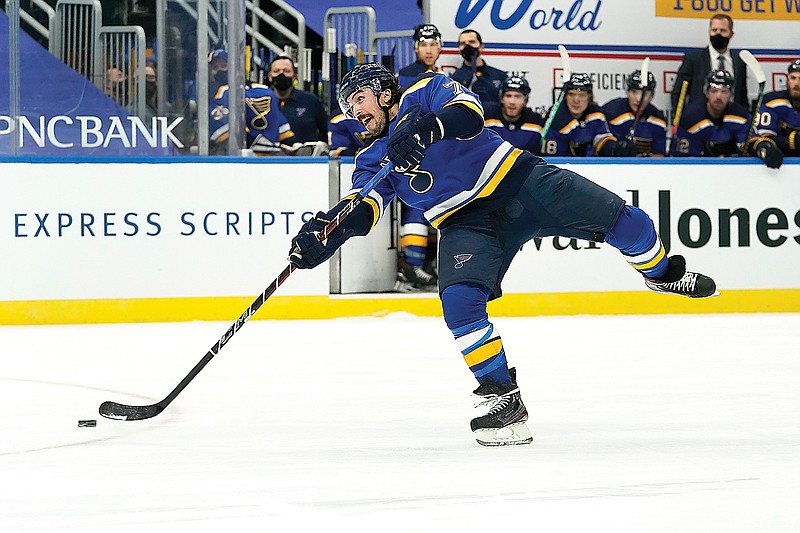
(609, 39)
(162, 230)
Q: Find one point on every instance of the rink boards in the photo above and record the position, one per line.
(98, 240)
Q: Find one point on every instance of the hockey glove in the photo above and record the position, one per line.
(625, 148)
(308, 251)
(406, 146)
(768, 152)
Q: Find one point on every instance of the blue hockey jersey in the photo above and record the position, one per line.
(265, 125)
(525, 132)
(454, 172)
(411, 73)
(583, 136)
(778, 118)
(346, 136)
(698, 134)
(650, 133)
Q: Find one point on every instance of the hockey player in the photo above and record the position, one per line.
(427, 47)
(487, 198)
(649, 133)
(417, 248)
(579, 127)
(267, 129)
(512, 119)
(779, 118)
(716, 126)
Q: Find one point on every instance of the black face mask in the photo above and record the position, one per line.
(282, 82)
(221, 77)
(150, 88)
(469, 52)
(719, 42)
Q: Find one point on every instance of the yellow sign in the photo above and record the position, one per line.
(736, 9)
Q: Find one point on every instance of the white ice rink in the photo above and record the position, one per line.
(641, 424)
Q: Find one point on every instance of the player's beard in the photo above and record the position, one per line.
(794, 94)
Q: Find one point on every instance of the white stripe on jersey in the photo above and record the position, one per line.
(647, 256)
(489, 169)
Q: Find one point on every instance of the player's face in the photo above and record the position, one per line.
(428, 51)
(720, 27)
(513, 103)
(718, 99)
(366, 110)
(577, 101)
(793, 85)
(635, 98)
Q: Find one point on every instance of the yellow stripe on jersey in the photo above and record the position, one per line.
(599, 144)
(569, 127)
(484, 352)
(657, 121)
(595, 116)
(413, 240)
(338, 118)
(623, 118)
(778, 102)
(466, 103)
(651, 263)
(703, 124)
(501, 173)
(529, 126)
(492, 122)
(736, 119)
(285, 135)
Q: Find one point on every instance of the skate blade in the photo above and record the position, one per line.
(511, 435)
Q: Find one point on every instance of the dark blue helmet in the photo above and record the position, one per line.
(635, 82)
(515, 83)
(579, 81)
(794, 66)
(372, 76)
(718, 79)
(426, 32)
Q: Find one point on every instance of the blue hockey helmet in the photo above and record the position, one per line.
(372, 76)
(515, 83)
(718, 79)
(579, 81)
(794, 66)
(635, 82)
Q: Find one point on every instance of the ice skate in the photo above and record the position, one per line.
(504, 424)
(415, 279)
(678, 281)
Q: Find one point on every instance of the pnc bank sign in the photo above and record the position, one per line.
(63, 131)
(537, 14)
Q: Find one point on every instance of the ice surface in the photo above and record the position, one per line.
(641, 424)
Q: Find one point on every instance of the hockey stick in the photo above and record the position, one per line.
(761, 78)
(643, 77)
(678, 113)
(567, 68)
(119, 411)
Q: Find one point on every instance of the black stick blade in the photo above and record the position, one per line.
(118, 411)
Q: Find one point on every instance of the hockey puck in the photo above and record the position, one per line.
(87, 423)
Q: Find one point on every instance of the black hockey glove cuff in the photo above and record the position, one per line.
(766, 150)
(624, 148)
(309, 249)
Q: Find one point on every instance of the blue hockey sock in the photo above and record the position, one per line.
(464, 309)
(635, 236)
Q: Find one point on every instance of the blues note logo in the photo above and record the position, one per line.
(461, 259)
